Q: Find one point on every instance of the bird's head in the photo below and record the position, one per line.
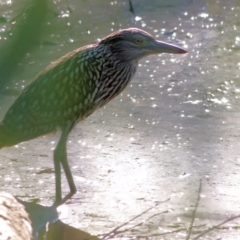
(132, 44)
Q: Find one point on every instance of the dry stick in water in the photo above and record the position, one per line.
(115, 231)
(189, 232)
(211, 228)
(216, 226)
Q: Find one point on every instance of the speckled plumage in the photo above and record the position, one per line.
(73, 87)
(69, 90)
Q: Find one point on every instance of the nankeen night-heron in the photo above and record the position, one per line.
(73, 87)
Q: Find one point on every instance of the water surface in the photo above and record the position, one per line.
(175, 124)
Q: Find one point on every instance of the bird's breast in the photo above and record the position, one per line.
(113, 81)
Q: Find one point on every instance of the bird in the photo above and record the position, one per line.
(71, 88)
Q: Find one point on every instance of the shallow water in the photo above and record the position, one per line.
(175, 124)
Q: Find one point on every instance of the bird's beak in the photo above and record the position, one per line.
(163, 47)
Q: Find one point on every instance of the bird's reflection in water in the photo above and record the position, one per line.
(47, 226)
(61, 231)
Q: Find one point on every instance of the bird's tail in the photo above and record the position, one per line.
(1, 137)
(4, 138)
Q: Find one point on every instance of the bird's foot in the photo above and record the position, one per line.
(59, 202)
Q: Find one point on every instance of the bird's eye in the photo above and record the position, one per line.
(138, 41)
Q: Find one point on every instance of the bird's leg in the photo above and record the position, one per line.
(69, 177)
(57, 165)
(60, 156)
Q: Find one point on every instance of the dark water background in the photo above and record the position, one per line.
(178, 121)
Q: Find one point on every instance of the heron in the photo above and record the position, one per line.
(71, 88)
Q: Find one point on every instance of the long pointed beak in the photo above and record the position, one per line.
(163, 47)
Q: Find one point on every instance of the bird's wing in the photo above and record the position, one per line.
(60, 94)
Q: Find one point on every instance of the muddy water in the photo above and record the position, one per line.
(176, 124)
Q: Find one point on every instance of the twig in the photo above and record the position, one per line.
(194, 212)
(131, 9)
(115, 230)
(155, 215)
(216, 226)
(160, 234)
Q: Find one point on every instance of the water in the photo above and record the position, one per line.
(175, 124)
